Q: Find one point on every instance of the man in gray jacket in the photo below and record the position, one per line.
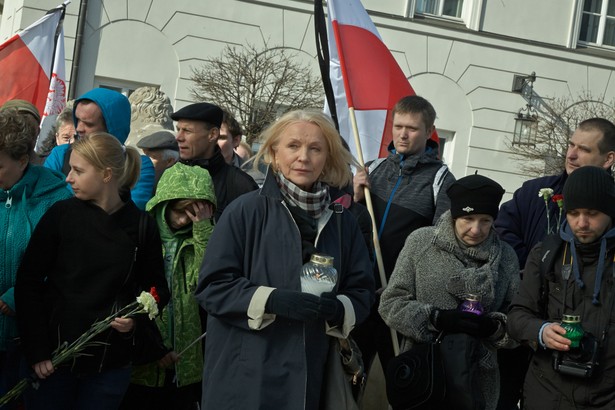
(571, 273)
(408, 190)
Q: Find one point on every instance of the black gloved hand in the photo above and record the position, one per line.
(332, 310)
(294, 305)
(486, 326)
(456, 321)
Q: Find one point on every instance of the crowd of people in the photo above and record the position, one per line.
(223, 237)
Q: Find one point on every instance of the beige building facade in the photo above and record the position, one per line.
(462, 55)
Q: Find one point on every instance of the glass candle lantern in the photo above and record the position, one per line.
(574, 331)
(471, 304)
(318, 275)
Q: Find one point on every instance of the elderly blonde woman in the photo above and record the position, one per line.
(267, 341)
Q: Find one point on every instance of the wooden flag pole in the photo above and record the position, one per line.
(370, 209)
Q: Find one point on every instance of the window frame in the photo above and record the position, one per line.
(440, 7)
(602, 23)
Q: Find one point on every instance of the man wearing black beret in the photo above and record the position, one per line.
(198, 128)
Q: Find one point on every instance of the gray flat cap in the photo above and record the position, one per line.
(163, 139)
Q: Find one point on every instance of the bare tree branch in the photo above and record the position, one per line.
(256, 85)
(561, 117)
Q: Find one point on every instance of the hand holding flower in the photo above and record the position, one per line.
(123, 325)
(168, 360)
(43, 369)
(121, 321)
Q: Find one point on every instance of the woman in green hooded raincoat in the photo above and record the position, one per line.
(182, 207)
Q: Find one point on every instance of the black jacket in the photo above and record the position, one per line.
(545, 389)
(77, 270)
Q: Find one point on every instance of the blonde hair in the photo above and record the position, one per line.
(103, 151)
(336, 171)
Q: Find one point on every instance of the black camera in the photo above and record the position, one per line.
(579, 361)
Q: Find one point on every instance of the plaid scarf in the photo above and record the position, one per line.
(314, 203)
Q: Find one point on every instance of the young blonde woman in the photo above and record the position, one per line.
(87, 259)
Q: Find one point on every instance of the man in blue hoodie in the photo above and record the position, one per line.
(104, 110)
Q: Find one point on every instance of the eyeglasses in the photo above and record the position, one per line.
(66, 138)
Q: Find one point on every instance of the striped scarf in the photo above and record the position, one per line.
(314, 203)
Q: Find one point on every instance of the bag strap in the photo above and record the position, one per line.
(437, 183)
(142, 229)
(550, 247)
(338, 209)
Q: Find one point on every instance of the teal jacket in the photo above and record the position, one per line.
(183, 251)
(21, 208)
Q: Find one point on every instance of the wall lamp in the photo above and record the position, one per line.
(526, 120)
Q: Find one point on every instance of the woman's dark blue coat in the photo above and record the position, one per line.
(255, 360)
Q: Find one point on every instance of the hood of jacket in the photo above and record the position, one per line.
(115, 109)
(183, 182)
(36, 182)
(430, 155)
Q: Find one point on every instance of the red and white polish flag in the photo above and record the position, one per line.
(365, 76)
(26, 65)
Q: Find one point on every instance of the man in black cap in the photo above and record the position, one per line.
(526, 219)
(162, 149)
(569, 278)
(198, 128)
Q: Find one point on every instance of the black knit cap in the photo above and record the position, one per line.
(206, 112)
(590, 187)
(475, 194)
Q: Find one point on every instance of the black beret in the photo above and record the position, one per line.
(206, 112)
(162, 139)
(475, 194)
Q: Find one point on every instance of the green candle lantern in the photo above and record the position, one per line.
(574, 331)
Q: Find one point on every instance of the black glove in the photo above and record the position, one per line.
(332, 309)
(456, 321)
(294, 305)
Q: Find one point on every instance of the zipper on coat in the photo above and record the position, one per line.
(9, 201)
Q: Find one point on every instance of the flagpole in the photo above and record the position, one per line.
(368, 198)
(62, 9)
(370, 209)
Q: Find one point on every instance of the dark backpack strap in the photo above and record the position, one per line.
(66, 160)
(338, 209)
(142, 229)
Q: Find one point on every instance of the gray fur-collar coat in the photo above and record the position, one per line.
(434, 271)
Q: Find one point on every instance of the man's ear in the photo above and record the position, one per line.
(610, 160)
(430, 131)
(214, 133)
(236, 141)
(23, 162)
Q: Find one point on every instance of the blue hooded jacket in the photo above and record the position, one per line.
(115, 109)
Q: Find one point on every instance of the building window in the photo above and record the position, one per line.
(598, 22)
(121, 86)
(446, 145)
(446, 8)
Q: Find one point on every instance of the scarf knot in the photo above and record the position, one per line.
(314, 203)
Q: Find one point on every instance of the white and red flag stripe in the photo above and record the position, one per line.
(26, 61)
(365, 76)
